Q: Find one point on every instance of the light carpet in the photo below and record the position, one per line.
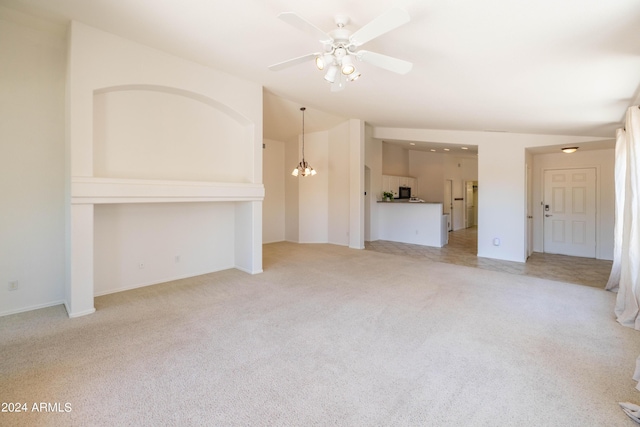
(327, 336)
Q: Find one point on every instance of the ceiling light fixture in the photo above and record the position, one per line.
(303, 167)
(354, 76)
(332, 72)
(569, 150)
(464, 148)
(347, 66)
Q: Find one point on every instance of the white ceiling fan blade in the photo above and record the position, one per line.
(384, 23)
(383, 61)
(302, 24)
(294, 61)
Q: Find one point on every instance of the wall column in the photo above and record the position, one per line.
(79, 299)
(356, 186)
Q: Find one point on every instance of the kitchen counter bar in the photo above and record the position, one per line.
(413, 222)
(398, 201)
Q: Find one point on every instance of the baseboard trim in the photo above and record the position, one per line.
(79, 314)
(31, 308)
(169, 279)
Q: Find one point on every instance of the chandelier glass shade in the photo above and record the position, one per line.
(303, 168)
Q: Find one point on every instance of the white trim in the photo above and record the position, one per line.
(170, 279)
(246, 270)
(79, 314)
(32, 307)
(89, 190)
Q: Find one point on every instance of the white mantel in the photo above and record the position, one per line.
(113, 190)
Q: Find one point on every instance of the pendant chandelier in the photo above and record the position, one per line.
(303, 168)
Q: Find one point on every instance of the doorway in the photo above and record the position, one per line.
(569, 212)
(447, 205)
(470, 204)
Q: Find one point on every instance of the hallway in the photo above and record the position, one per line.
(462, 249)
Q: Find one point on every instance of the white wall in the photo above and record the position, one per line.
(373, 161)
(356, 142)
(201, 235)
(429, 170)
(32, 218)
(338, 190)
(273, 206)
(164, 134)
(292, 191)
(313, 221)
(603, 161)
(396, 160)
(326, 207)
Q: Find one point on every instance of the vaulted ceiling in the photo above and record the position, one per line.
(568, 67)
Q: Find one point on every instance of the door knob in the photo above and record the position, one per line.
(547, 215)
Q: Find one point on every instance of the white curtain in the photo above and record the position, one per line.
(620, 175)
(625, 272)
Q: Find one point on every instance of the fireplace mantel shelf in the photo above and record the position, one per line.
(92, 190)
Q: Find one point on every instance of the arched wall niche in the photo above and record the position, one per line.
(166, 133)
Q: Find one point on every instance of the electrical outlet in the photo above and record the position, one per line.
(14, 285)
(141, 265)
(177, 258)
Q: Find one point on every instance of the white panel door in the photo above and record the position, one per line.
(569, 210)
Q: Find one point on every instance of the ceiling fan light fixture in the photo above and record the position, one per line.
(569, 150)
(347, 66)
(332, 72)
(354, 76)
(341, 45)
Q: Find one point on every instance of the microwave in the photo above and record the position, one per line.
(404, 192)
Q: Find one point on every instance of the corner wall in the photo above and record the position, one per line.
(329, 206)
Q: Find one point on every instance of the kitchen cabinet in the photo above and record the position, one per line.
(392, 183)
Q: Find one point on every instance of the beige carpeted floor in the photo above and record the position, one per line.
(327, 336)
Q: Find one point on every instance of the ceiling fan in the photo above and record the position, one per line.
(340, 47)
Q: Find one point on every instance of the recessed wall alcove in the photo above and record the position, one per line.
(165, 168)
(158, 132)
